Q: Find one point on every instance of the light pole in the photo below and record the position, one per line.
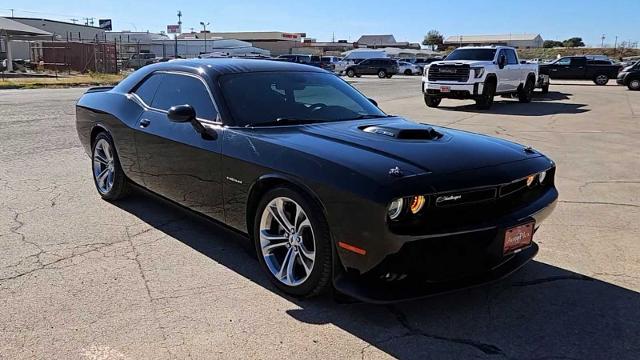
(204, 30)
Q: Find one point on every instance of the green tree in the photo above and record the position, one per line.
(552, 43)
(573, 42)
(433, 39)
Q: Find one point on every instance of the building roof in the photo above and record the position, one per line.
(55, 21)
(249, 35)
(490, 38)
(15, 28)
(376, 39)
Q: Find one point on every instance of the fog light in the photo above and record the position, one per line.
(417, 202)
(542, 176)
(395, 208)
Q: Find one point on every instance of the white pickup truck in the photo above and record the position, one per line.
(480, 73)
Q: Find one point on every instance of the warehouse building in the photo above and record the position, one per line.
(62, 30)
(519, 41)
(384, 41)
(276, 42)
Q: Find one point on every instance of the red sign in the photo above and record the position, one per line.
(173, 29)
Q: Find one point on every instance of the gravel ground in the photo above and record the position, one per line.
(82, 278)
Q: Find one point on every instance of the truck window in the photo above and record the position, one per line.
(472, 54)
(564, 61)
(512, 59)
(578, 61)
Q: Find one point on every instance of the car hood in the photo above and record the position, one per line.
(409, 145)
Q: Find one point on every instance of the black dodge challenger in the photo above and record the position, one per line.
(333, 192)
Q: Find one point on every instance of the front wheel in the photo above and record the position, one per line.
(382, 74)
(351, 73)
(634, 84)
(108, 177)
(408, 72)
(485, 101)
(432, 101)
(601, 79)
(293, 243)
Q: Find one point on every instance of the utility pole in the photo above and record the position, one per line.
(615, 47)
(175, 36)
(204, 30)
(603, 37)
(12, 12)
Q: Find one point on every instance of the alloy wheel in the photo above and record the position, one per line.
(634, 84)
(287, 241)
(103, 166)
(602, 79)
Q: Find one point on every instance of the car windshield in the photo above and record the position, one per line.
(271, 98)
(472, 54)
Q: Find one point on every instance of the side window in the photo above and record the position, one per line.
(512, 59)
(564, 61)
(183, 89)
(365, 62)
(147, 90)
(578, 61)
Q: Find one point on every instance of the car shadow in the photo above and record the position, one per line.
(542, 311)
(541, 105)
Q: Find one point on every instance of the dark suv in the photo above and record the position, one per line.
(384, 68)
(630, 76)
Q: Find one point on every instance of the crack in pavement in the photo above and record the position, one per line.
(598, 203)
(487, 349)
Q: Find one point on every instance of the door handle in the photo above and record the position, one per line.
(144, 123)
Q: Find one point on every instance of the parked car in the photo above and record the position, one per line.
(630, 76)
(480, 73)
(580, 67)
(296, 58)
(136, 61)
(383, 67)
(330, 190)
(408, 68)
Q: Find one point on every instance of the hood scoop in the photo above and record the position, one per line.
(417, 133)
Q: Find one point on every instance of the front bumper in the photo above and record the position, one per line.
(620, 79)
(456, 90)
(415, 288)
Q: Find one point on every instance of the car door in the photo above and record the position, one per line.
(364, 67)
(560, 69)
(514, 71)
(176, 161)
(503, 74)
(578, 68)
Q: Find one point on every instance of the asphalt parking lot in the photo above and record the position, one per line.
(81, 278)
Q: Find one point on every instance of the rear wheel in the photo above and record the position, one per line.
(432, 101)
(293, 243)
(526, 93)
(382, 73)
(634, 84)
(110, 180)
(485, 101)
(601, 79)
(351, 73)
(408, 72)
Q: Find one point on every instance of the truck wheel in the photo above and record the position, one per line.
(351, 73)
(432, 101)
(526, 93)
(545, 89)
(634, 84)
(485, 101)
(601, 79)
(382, 74)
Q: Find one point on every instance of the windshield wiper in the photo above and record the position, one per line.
(286, 121)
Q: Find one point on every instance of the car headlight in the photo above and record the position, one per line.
(395, 208)
(542, 176)
(478, 72)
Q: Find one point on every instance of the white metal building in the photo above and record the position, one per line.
(521, 41)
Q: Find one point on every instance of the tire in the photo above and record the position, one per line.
(382, 73)
(312, 237)
(432, 101)
(486, 99)
(108, 177)
(408, 72)
(634, 84)
(526, 93)
(601, 79)
(545, 89)
(351, 73)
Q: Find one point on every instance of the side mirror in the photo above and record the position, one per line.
(181, 113)
(373, 102)
(502, 61)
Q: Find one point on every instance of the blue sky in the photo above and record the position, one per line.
(408, 21)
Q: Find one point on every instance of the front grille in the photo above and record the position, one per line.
(452, 211)
(459, 73)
